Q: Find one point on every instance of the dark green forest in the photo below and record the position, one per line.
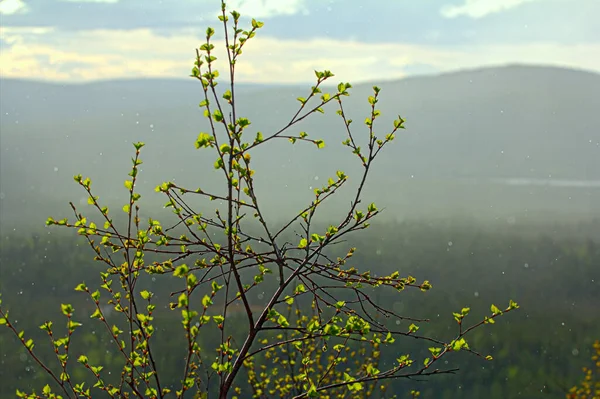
(551, 270)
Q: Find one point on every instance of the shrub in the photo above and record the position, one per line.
(589, 386)
(315, 330)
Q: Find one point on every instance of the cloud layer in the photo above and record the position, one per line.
(80, 40)
(480, 8)
(12, 7)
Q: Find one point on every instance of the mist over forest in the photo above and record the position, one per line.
(515, 143)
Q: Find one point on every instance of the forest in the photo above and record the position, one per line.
(551, 270)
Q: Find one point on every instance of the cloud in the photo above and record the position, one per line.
(91, 1)
(267, 8)
(48, 54)
(10, 7)
(419, 22)
(480, 8)
(162, 16)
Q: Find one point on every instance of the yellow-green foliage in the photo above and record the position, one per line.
(589, 387)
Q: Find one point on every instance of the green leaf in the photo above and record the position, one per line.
(312, 391)
(215, 286)
(404, 360)
(282, 321)
(96, 315)
(353, 387)
(47, 326)
(67, 309)
(182, 300)
(192, 280)
(425, 286)
(435, 351)
(204, 140)
(257, 24)
(316, 238)
(181, 271)
(313, 326)
(495, 310)
(142, 317)
(342, 87)
(372, 370)
(459, 344)
(217, 115)
(72, 325)
(389, 338)
(398, 123)
(145, 294)
(206, 301)
(81, 287)
(96, 369)
(243, 122)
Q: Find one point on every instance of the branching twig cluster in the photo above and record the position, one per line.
(222, 272)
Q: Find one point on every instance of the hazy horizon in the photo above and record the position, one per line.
(310, 80)
(511, 150)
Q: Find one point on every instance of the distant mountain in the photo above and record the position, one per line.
(467, 132)
(79, 99)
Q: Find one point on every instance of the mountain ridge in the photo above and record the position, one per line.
(492, 123)
(458, 71)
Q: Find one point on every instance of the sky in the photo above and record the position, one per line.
(87, 40)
